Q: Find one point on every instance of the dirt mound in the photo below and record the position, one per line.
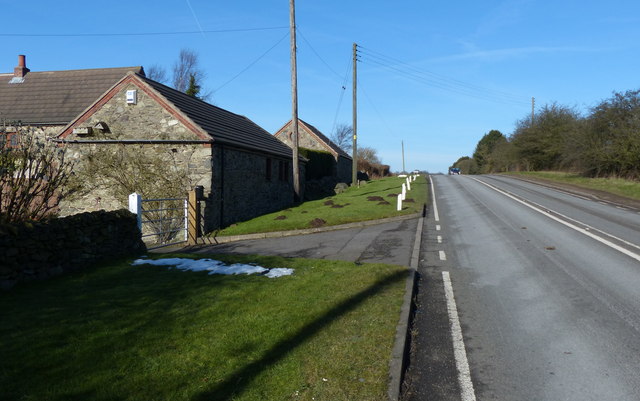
(315, 223)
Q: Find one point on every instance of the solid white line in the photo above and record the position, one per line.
(462, 364)
(439, 239)
(585, 231)
(436, 215)
(443, 256)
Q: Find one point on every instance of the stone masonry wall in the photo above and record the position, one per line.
(38, 250)
(194, 160)
(243, 190)
(146, 120)
(305, 139)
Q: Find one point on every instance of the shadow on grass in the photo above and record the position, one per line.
(105, 309)
(238, 382)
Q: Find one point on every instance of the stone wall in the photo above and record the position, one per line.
(234, 179)
(39, 250)
(305, 139)
(342, 166)
(191, 162)
(243, 189)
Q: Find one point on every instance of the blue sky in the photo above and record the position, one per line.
(434, 75)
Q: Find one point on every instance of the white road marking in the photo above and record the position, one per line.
(439, 239)
(585, 231)
(443, 256)
(438, 227)
(462, 364)
(436, 215)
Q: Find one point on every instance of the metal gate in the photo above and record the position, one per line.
(162, 222)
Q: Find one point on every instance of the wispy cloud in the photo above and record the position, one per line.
(506, 14)
(511, 53)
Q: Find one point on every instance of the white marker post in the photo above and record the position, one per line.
(404, 191)
(408, 184)
(399, 202)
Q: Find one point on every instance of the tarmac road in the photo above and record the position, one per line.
(390, 243)
(547, 292)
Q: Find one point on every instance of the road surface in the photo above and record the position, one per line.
(390, 243)
(546, 289)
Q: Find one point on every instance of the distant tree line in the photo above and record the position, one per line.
(604, 143)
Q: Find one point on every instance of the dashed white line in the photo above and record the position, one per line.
(439, 238)
(443, 256)
(467, 392)
(438, 227)
(436, 215)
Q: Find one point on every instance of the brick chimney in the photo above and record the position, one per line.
(21, 70)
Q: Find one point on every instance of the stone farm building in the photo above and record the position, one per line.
(311, 138)
(244, 170)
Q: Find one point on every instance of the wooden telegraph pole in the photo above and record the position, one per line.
(403, 170)
(533, 104)
(354, 170)
(294, 102)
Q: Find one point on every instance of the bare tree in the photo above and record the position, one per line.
(157, 73)
(185, 67)
(34, 177)
(343, 137)
(369, 154)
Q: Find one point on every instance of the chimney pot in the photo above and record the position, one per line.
(21, 70)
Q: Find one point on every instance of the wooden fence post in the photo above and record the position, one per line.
(193, 229)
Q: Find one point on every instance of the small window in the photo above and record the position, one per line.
(15, 140)
(283, 171)
(268, 170)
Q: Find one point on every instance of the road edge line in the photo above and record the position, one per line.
(398, 362)
(467, 392)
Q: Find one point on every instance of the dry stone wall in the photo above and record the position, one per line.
(39, 250)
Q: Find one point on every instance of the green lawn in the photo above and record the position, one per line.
(375, 200)
(617, 186)
(122, 332)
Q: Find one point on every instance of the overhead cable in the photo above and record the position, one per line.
(251, 64)
(437, 80)
(86, 34)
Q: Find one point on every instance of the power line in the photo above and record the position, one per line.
(376, 109)
(440, 81)
(343, 89)
(107, 34)
(317, 54)
(251, 64)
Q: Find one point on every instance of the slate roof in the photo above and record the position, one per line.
(55, 97)
(223, 126)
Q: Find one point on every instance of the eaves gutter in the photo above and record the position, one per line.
(135, 141)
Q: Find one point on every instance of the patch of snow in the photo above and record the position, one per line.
(279, 272)
(214, 266)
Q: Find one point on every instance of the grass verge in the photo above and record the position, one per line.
(119, 332)
(375, 200)
(617, 186)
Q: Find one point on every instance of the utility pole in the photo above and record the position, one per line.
(354, 169)
(533, 103)
(403, 170)
(294, 102)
